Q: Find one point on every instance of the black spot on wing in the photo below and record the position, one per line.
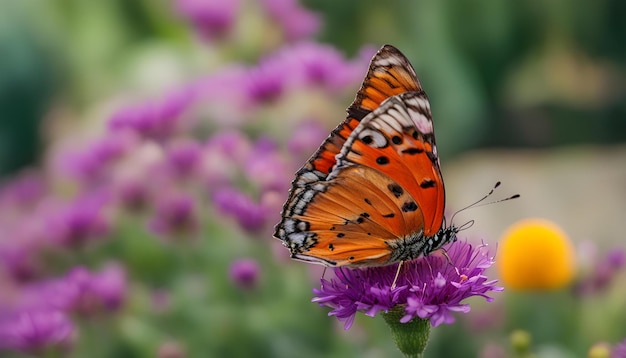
(427, 183)
(396, 139)
(340, 235)
(395, 189)
(367, 139)
(390, 215)
(413, 151)
(409, 206)
(367, 201)
(382, 160)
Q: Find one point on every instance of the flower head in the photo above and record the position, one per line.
(244, 273)
(210, 18)
(80, 221)
(428, 287)
(297, 22)
(175, 214)
(603, 272)
(155, 119)
(250, 215)
(536, 254)
(37, 330)
(619, 351)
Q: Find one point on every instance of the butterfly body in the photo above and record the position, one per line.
(373, 193)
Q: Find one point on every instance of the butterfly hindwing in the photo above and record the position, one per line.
(342, 230)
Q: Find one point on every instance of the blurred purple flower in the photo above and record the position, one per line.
(321, 65)
(296, 21)
(23, 190)
(19, 260)
(249, 215)
(94, 292)
(428, 287)
(74, 224)
(266, 167)
(619, 351)
(266, 82)
(306, 138)
(223, 95)
(132, 194)
(244, 273)
(36, 331)
(183, 157)
(210, 18)
(304, 64)
(602, 273)
(175, 214)
(79, 291)
(91, 164)
(155, 119)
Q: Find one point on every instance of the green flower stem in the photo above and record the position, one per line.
(411, 337)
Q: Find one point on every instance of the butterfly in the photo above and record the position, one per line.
(373, 193)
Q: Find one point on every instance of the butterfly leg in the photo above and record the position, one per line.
(445, 254)
(395, 279)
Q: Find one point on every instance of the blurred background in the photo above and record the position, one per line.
(147, 146)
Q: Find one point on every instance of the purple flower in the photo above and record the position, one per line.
(183, 157)
(427, 287)
(80, 291)
(25, 189)
(249, 215)
(602, 273)
(175, 215)
(300, 65)
(210, 18)
(93, 292)
(296, 21)
(266, 167)
(91, 163)
(156, 119)
(75, 223)
(314, 64)
(266, 82)
(619, 351)
(244, 273)
(37, 330)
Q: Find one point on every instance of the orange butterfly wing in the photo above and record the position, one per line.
(389, 74)
(383, 200)
(400, 143)
(373, 193)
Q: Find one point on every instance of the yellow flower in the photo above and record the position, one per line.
(535, 254)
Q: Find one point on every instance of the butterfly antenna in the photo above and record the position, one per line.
(478, 202)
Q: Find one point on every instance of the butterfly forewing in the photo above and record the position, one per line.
(389, 74)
